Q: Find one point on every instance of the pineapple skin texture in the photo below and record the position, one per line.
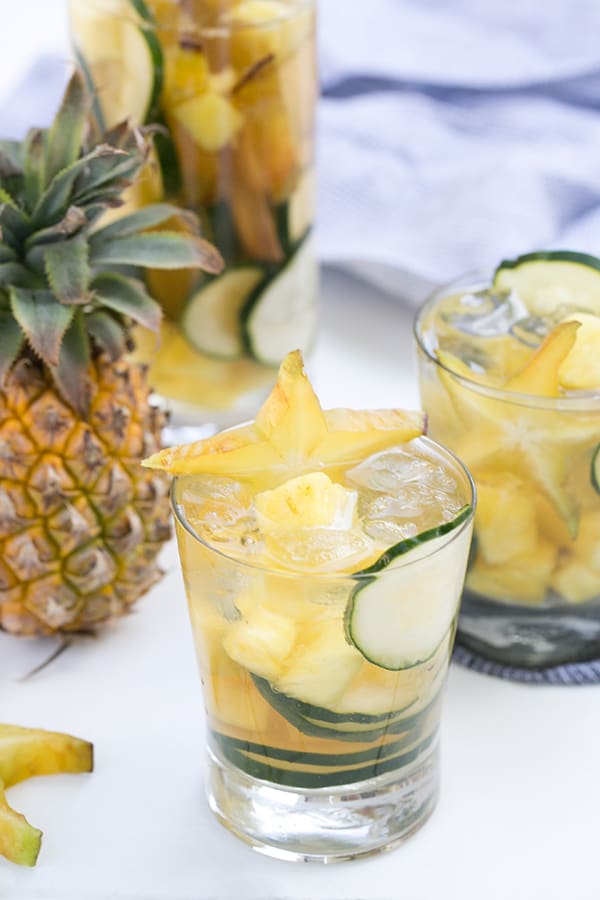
(81, 522)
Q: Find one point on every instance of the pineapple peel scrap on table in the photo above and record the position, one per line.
(292, 433)
(24, 753)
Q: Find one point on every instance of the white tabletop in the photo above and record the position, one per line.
(518, 815)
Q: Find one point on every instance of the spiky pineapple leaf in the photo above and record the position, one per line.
(128, 297)
(74, 219)
(11, 158)
(58, 195)
(13, 273)
(147, 217)
(70, 375)
(42, 320)
(6, 197)
(11, 341)
(66, 133)
(107, 333)
(115, 168)
(15, 224)
(34, 167)
(158, 249)
(68, 270)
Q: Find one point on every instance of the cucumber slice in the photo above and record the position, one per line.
(211, 317)
(354, 730)
(282, 313)
(260, 766)
(550, 279)
(121, 57)
(595, 469)
(398, 620)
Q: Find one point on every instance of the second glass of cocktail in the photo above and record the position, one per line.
(323, 554)
(510, 378)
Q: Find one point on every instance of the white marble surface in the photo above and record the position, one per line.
(518, 816)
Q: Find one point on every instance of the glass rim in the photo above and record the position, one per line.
(449, 457)
(293, 8)
(581, 401)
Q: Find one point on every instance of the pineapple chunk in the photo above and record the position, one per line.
(211, 119)
(306, 501)
(541, 374)
(580, 369)
(576, 581)
(291, 432)
(506, 518)
(322, 665)
(262, 642)
(525, 580)
(264, 28)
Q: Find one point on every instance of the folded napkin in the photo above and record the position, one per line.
(452, 135)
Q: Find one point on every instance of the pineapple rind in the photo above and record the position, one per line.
(80, 527)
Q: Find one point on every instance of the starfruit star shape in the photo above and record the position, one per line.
(292, 434)
(518, 427)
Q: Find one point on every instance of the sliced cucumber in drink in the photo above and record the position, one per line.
(211, 317)
(121, 58)
(316, 770)
(551, 279)
(281, 315)
(398, 618)
(595, 471)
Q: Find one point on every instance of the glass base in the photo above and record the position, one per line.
(325, 825)
(529, 637)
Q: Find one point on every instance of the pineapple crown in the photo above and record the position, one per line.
(69, 285)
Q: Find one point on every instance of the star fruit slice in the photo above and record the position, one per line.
(292, 433)
(535, 441)
(25, 752)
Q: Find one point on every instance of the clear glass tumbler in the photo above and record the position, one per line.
(231, 87)
(532, 593)
(330, 757)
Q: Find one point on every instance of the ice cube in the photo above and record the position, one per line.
(485, 313)
(319, 549)
(386, 472)
(388, 532)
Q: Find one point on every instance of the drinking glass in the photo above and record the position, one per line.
(532, 593)
(230, 89)
(315, 752)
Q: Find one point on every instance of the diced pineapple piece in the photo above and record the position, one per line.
(306, 501)
(186, 75)
(265, 28)
(505, 520)
(551, 526)
(321, 666)
(211, 119)
(576, 581)
(541, 374)
(525, 580)
(262, 642)
(273, 140)
(580, 369)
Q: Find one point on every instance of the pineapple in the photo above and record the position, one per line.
(81, 523)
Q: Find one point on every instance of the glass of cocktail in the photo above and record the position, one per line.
(323, 554)
(229, 89)
(510, 379)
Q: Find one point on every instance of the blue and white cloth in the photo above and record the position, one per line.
(453, 134)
